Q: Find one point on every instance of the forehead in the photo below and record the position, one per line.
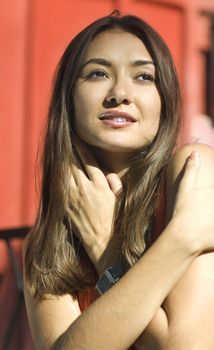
(117, 44)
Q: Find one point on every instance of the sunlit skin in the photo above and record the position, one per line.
(118, 74)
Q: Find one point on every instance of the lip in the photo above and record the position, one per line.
(118, 114)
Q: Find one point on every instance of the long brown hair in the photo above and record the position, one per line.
(53, 255)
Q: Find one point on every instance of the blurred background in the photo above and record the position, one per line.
(33, 35)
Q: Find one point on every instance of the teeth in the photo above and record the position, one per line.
(117, 119)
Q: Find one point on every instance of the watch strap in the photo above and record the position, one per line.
(109, 277)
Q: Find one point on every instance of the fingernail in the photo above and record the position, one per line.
(195, 155)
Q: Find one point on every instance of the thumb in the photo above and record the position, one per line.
(191, 170)
(115, 183)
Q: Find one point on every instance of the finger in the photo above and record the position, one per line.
(79, 176)
(88, 161)
(115, 183)
(191, 170)
(78, 171)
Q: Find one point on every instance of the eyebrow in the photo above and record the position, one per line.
(142, 63)
(106, 63)
(101, 61)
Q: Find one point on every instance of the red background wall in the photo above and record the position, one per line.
(33, 35)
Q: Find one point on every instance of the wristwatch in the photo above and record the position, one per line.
(109, 277)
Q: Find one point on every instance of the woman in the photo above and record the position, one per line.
(108, 170)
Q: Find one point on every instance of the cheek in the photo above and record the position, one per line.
(157, 111)
(87, 96)
(153, 110)
(84, 109)
(156, 101)
(151, 106)
(80, 103)
(149, 99)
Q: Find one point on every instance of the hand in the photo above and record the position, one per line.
(93, 198)
(194, 204)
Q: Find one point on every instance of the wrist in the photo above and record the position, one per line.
(95, 253)
(102, 257)
(104, 254)
(107, 260)
(183, 237)
(111, 256)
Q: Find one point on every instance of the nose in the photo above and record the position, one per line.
(120, 93)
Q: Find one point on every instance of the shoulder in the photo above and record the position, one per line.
(176, 168)
(193, 294)
(179, 158)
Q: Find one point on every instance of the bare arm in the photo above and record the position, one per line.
(190, 304)
(117, 319)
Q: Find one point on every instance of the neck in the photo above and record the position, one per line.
(111, 161)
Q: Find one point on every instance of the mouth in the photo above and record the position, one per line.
(117, 119)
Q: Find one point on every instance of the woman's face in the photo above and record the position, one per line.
(117, 104)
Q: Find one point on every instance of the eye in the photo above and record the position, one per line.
(97, 74)
(146, 77)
